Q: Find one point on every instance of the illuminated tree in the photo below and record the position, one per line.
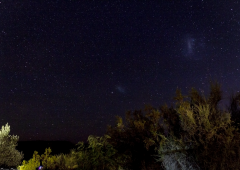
(9, 156)
(208, 134)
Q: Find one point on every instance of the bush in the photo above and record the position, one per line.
(66, 162)
(174, 157)
(99, 155)
(49, 162)
(32, 164)
(195, 134)
(137, 139)
(9, 156)
(207, 134)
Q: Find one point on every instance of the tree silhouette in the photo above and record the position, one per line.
(234, 109)
(139, 138)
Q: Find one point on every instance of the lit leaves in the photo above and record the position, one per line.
(99, 154)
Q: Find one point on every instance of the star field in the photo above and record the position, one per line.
(69, 67)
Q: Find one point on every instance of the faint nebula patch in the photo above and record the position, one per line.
(192, 47)
(120, 89)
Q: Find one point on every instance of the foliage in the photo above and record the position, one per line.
(99, 155)
(9, 156)
(195, 134)
(137, 139)
(234, 109)
(207, 133)
(49, 162)
(173, 155)
(65, 162)
(171, 120)
(46, 159)
(32, 163)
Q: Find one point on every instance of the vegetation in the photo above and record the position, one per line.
(194, 134)
(234, 109)
(199, 134)
(9, 156)
(173, 157)
(49, 162)
(99, 155)
(32, 163)
(207, 134)
(137, 139)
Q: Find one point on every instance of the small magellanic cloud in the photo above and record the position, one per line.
(120, 89)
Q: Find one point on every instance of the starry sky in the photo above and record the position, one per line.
(68, 67)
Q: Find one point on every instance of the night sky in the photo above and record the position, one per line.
(68, 67)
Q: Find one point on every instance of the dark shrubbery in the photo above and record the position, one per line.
(99, 155)
(207, 133)
(195, 134)
(138, 139)
(196, 128)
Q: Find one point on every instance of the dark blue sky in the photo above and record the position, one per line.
(69, 67)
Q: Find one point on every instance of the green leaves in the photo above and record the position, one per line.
(9, 156)
(213, 138)
(99, 155)
(32, 163)
(50, 162)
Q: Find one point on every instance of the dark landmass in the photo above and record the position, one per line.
(57, 147)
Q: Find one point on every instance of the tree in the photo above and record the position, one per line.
(234, 109)
(207, 133)
(32, 163)
(137, 139)
(9, 156)
(99, 155)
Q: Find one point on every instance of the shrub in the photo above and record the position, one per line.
(32, 163)
(50, 162)
(174, 157)
(137, 139)
(9, 156)
(234, 109)
(66, 162)
(207, 133)
(99, 155)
